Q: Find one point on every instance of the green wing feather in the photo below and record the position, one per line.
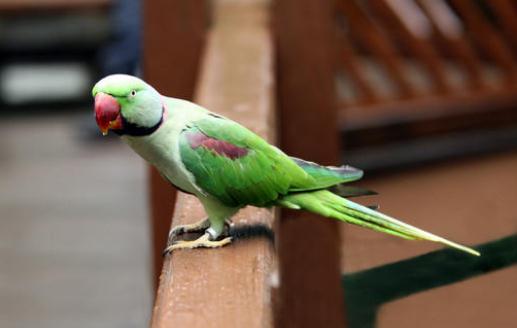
(328, 176)
(257, 178)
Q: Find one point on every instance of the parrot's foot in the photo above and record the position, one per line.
(202, 242)
(186, 228)
(199, 226)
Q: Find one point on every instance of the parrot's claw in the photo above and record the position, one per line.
(202, 242)
(186, 228)
(199, 226)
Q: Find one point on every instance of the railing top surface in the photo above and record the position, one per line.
(226, 287)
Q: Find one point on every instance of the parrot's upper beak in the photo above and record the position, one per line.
(107, 112)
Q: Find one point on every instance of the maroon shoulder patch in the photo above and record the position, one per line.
(220, 147)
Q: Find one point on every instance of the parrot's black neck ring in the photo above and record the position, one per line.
(134, 130)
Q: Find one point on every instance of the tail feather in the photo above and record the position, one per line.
(331, 205)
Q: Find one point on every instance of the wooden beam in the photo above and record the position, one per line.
(173, 40)
(429, 108)
(227, 287)
(308, 245)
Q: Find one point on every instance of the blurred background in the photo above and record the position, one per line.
(74, 233)
(427, 107)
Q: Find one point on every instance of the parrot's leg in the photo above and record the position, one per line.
(203, 241)
(218, 215)
(186, 228)
(194, 227)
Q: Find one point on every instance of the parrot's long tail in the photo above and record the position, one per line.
(328, 204)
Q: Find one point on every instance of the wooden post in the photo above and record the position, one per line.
(310, 293)
(227, 287)
(174, 33)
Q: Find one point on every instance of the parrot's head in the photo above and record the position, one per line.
(127, 105)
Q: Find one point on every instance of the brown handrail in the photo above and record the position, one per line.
(228, 287)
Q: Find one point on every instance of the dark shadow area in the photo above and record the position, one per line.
(253, 231)
(238, 232)
(367, 290)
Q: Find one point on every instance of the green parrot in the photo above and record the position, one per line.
(228, 167)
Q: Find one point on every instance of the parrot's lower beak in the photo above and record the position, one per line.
(107, 113)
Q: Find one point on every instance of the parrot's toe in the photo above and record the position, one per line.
(187, 228)
(202, 242)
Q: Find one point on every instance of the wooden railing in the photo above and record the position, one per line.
(236, 286)
(228, 287)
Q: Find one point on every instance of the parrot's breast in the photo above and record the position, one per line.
(161, 148)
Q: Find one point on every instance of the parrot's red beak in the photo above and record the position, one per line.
(107, 113)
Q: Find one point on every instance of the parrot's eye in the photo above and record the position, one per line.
(133, 93)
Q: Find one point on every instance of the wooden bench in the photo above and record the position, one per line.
(419, 69)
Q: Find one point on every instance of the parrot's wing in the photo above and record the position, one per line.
(235, 165)
(327, 176)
